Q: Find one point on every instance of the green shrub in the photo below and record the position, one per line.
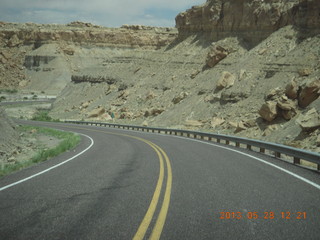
(43, 116)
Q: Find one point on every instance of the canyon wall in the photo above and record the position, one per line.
(251, 20)
(84, 33)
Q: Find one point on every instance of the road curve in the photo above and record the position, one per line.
(134, 185)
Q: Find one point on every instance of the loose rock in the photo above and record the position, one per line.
(225, 81)
(309, 93)
(268, 111)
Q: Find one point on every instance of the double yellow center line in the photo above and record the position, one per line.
(157, 229)
(163, 161)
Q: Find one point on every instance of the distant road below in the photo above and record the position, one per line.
(27, 102)
(135, 185)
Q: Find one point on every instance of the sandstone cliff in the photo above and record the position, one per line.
(127, 36)
(251, 20)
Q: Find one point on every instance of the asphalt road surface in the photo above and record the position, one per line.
(120, 184)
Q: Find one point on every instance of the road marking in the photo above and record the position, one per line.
(261, 160)
(144, 225)
(49, 169)
(157, 230)
(245, 154)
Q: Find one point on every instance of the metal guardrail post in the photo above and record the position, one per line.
(296, 160)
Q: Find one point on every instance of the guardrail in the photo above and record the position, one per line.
(276, 149)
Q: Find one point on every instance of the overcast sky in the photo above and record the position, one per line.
(110, 13)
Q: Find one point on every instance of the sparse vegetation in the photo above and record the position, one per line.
(11, 91)
(69, 141)
(44, 116)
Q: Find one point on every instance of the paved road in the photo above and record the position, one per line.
(29, 102)
(128, 184)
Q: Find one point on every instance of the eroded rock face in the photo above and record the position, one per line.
(86, 33)
(252, 20)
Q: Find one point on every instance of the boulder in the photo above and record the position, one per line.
(126, 115)
(216, 54)
(124, 94)
(286, 104)
(69, 51)
(291, 90)
(240, 127)
(225, 81)
(243, 74)
(310, 120)
(85, 104)
(274, 94)
(262, 51)
(288, 115)
(235, 94)
(232, 124)
(287, 107)
(309, 93)
(96, 112)
(216, 121)
(249, 123)
(180, 97)
(153, 112)
(318, 141)
(106, 117)
(269, 130)
(304, 72)
(269, 111)
(150, 95)
(194, 74)
(23, 83)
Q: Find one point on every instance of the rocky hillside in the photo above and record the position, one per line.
(254, 74)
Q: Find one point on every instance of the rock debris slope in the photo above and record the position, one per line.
(247, 68)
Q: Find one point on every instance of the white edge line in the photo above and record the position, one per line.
(259, 159)
(245, 154)
(49, 169)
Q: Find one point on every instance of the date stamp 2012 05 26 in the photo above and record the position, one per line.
(264, 215)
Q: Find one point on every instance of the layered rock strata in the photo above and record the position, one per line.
(251, 20)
